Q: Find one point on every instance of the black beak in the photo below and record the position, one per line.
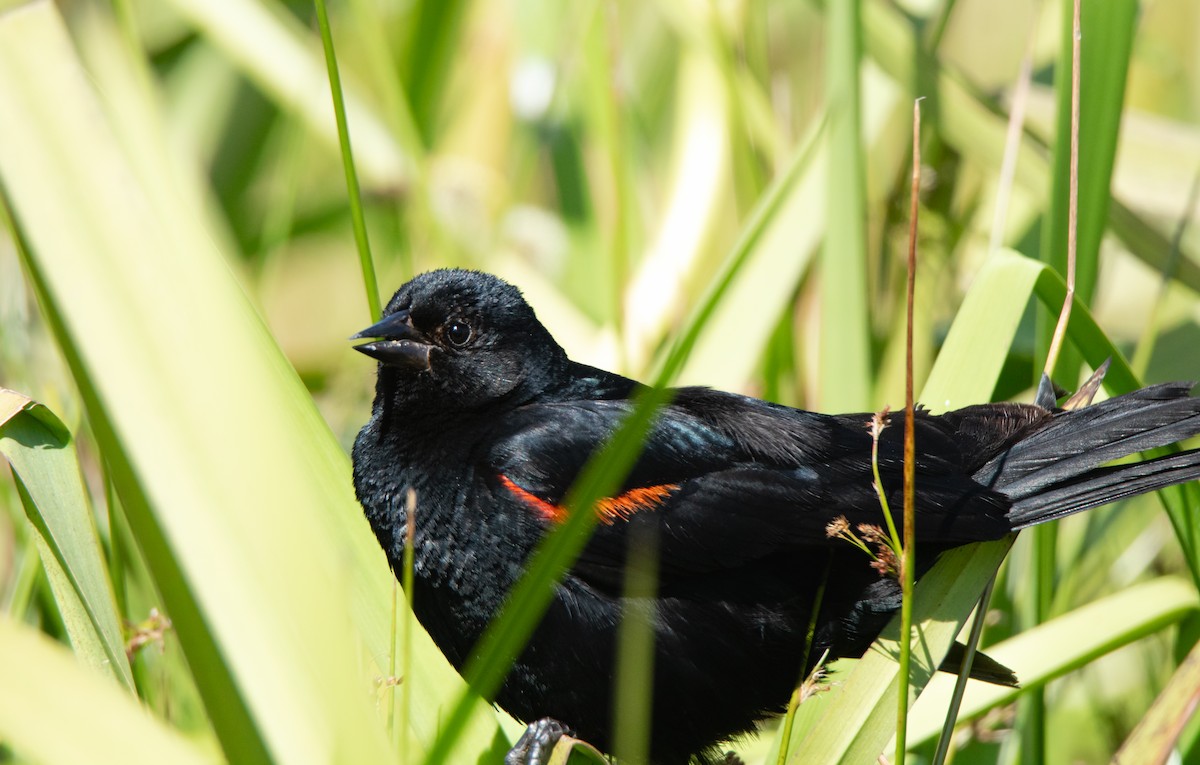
(400, 344)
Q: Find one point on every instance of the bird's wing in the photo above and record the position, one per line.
(726, 481)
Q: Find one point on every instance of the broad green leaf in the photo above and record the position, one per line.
(54, 710)
(984, 327)
(39, 449)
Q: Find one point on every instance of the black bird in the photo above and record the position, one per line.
(480, 411)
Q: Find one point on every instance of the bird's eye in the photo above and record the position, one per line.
(458, 332)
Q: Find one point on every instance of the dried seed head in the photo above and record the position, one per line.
(837, 527)
(878, 422)
(873, 534)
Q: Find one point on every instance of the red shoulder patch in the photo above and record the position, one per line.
(622, 506)
(547, 510)
(609, 509)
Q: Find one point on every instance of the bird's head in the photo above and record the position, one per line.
(455, 339)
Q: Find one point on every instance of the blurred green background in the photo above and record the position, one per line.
(172, 174)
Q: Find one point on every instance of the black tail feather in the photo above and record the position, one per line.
(1104, 485)
(983, 668)
(1058, 470)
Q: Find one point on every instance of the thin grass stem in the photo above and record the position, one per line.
(877, 426)
(352, 188)
(410, 537)
(789, 717)
(1064, 317)
(908, 572)
(1145, 346)
(964, 674)
(1012, 140)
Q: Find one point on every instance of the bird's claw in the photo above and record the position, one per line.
(537, 742)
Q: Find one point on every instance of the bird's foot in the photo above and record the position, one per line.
(537, 742)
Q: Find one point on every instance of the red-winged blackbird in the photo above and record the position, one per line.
(480, 412)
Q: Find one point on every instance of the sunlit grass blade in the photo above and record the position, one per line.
(572, 751)
(40, 451)
(692, 204)
(772, 255)
(1059, 646)
(238, 495)
(54, 710)
(978, 343)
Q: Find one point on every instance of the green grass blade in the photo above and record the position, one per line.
(353, 192)
(771, 257)
(969, 364)
(39, 449)
(845, 359)
(435, 28)
(1153, 740)
(284, 59)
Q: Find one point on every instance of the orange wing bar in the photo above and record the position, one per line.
(609, 509)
